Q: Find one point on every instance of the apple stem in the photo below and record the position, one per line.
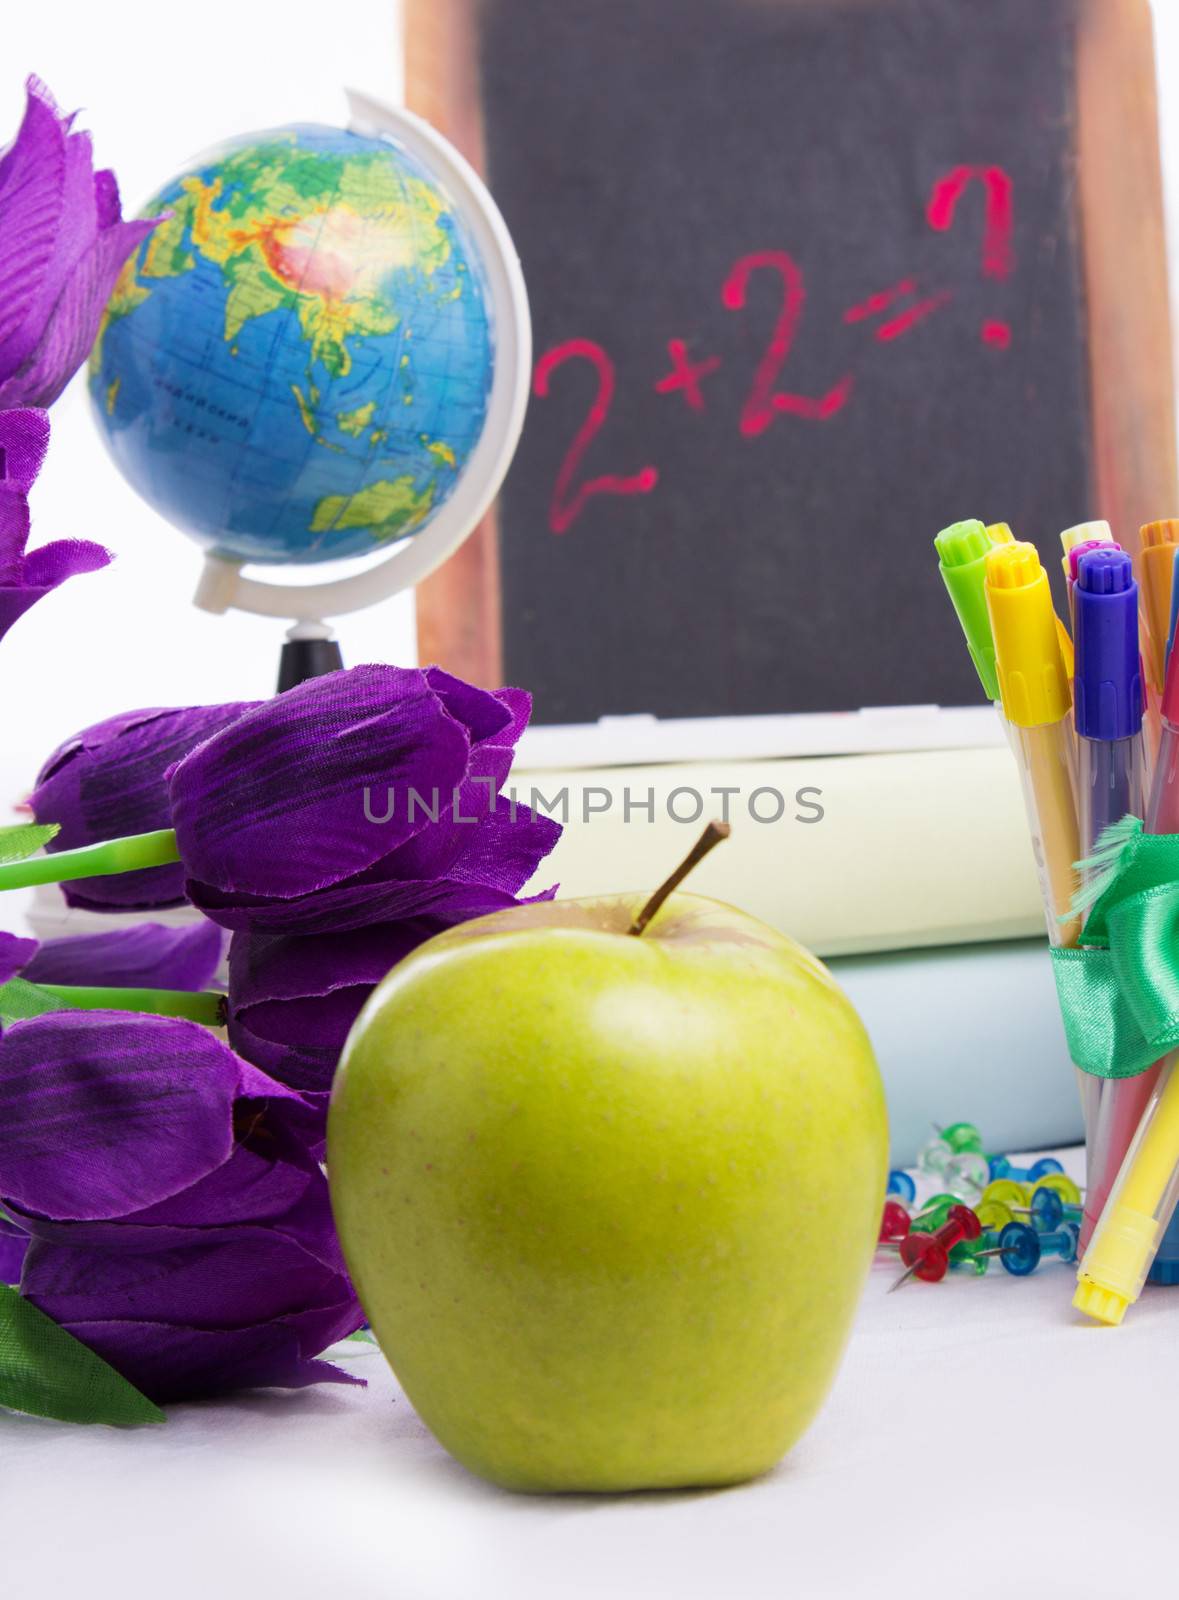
(712, 835)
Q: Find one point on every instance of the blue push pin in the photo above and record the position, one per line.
(1002, 1168)
(1047, 1211)
(902, 1185)
(1021, 1248)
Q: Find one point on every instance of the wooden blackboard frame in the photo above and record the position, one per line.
(1122, 242)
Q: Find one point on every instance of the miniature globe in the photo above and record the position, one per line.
(295, 366)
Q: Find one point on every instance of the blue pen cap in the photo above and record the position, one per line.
(1108, 685)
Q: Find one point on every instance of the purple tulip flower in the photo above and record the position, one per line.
(367, 796)
(177, 1223)
(108, 781)
(27, 576)
(62, 246)
(292, 1001)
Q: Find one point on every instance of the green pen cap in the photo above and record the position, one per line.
(962, 559)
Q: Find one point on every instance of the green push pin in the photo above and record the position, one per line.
(933, 1213)
(962, 1136)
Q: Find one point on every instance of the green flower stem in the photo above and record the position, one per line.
(206, 1006)
(93, 860)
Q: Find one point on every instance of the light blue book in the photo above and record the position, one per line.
(947, 1055)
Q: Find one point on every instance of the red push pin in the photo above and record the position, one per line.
(894, 1224)
(927, 1255)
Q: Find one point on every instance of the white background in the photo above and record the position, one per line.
(158, 83)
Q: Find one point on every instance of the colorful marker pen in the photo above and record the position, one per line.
(1159, 541)
(1034, 690)
(1107, 692)
(1142, 1201)
(1037, 703)
(1112, 781)
(962, 552)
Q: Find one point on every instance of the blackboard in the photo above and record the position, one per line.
(809, 281)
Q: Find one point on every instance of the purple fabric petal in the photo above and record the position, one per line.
(24, 439)
(506, 848)
(27, 578)
(275, 805)
(357, 904)
(15, 955)
(170, 1363)
(52, 564)
(266, 1303)
(148, 956)
(62, 245)
(483, 713)
(73, 320)
(14, 533)
(106, 198)
(32, 188)
(13, 605)
(109, 780)
(271, 1180)
(292, 1002)
(43, 571)
(105, 1113)
(253, 1275)
(14, 1242)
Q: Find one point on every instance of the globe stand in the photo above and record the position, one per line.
(311, 648)
(310, 651)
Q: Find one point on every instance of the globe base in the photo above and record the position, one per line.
(307, 658)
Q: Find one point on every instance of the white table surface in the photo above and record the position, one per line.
(980, 1439)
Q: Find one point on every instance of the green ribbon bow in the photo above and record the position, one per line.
(1119, 991)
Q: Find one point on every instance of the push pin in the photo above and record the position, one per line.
(934, 1212)
(1008, 1193)
(1048, 1211)
(962, 1136)
(895, 1222)
(1021, 1249)
(901, 1184)
(932, 1157)
(1060, 1183)
(966, 1173)
(927, 1255)
(931, 1216)
(1001, 1167)
(994, 1215)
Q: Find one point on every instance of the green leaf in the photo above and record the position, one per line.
(25, 839)
(20, 1000)
(46, 1372)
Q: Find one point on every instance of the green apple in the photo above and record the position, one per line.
(609, 1201)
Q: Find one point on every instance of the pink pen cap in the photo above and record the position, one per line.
(1078, 550)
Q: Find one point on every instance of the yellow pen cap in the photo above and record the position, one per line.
(1067, 654)
(1000, 533)
(1033, 681)
(1157, 565)
(1083, 533)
